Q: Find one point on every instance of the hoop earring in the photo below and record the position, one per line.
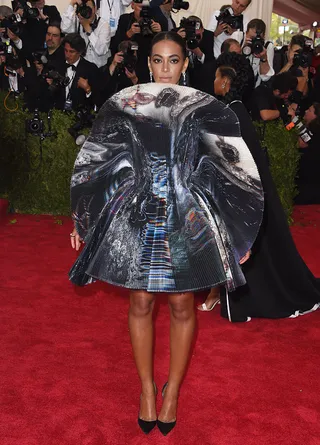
(151, 76)
(184, 78)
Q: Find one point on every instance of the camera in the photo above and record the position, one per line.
(84, 120)
(180, 4)
(12, 62)
(234, 21)
(191, 26)
(84, 10)
(145, 21)
(128, 49)
(302, 130)
(35, 125)
(28, 12)
(256, 47)
(302, 58)
(59, 81)
(13, 23)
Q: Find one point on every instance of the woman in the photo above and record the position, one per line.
(278, 283)
(167, 197)
(308, 180)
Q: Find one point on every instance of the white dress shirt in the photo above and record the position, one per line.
(255, 63)
(98, 42)
(218, 41)
(110, 11)
(71, 74)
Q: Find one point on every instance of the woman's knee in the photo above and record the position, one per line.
(182, 305)
(141, 303)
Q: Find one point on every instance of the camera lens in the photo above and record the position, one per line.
(35, 126)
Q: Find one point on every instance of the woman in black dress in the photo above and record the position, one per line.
(279, 284)
(167, 197)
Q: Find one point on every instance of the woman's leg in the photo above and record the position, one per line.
(141, 333)
(182, 323)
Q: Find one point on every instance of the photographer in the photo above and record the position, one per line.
(308, 178)
(162, 15)
(260, 53)
(38, 95)
(55, 51)
(11, 70)
(120, 73)
(140, 27)
(111, 11)
(297, 61)
(35, 20)
(226, 22)
(272, 102)
(199, 42)
(81, 84)
(81, 17)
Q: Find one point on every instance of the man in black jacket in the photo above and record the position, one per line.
(83, 88)
(162, 15)
(34, 29)
(130, 28)
(201, 57)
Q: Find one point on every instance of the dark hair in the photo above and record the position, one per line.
(76, 42)
(172, 37)
(314, 125)
(258, 25)
(284, 82)
(236, 68)
(298, 39)
(225, 47)
(196, 19)
(56, 25)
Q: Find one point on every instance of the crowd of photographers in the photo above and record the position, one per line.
(75, 61)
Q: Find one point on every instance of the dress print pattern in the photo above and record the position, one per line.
(165, 193)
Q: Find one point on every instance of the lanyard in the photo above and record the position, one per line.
(110, 5)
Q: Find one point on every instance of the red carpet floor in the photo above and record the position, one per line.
(68, 378)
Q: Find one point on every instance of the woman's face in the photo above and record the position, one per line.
(309, 115)
(167, 62)
(221, 84)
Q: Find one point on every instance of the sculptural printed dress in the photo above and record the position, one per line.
(165, 193)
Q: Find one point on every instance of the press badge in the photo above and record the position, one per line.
(112, 23)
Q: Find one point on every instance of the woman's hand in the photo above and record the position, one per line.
(245, 258)
(75, 239)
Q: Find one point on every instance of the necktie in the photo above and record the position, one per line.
(68, 65)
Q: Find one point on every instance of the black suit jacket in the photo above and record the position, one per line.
(159, 17)
(88, 71)
(201, 75)
(144, 42)
(34, 31)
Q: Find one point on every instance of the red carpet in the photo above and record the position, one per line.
(67, 375)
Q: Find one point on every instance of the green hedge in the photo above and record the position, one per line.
(41, 185)
(284, 156)
(35, 183)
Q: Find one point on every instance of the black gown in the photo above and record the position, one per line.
(165, 193)
(278, 282)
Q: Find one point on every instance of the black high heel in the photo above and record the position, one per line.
(148, 425)
(165, 427)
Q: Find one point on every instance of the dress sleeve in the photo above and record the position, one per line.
(227, 180)
(103, 168)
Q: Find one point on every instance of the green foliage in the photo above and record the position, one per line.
(36, 174)
(284, 157)
(40, 183)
